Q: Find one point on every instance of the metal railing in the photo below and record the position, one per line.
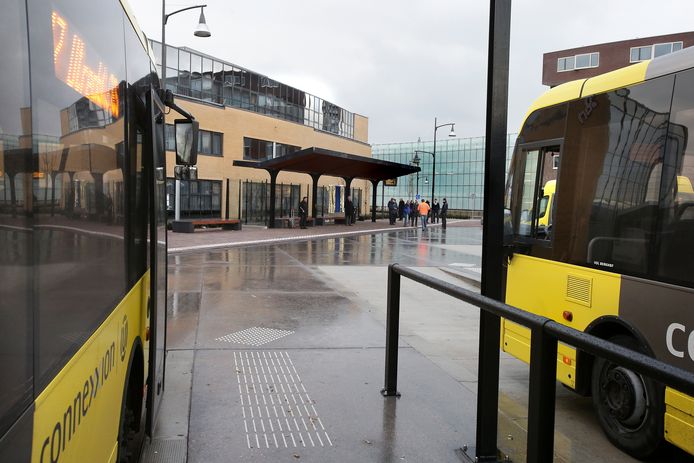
(545, 334)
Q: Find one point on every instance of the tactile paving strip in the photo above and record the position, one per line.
(254, 336)
(277, 410)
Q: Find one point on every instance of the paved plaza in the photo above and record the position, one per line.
(276, 352)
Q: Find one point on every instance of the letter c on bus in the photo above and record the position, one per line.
(668, 339)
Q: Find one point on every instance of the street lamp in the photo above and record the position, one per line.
(426, 179)
(415, 161)
(433, 169)
(200, 31)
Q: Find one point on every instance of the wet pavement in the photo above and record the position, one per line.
(276, 353)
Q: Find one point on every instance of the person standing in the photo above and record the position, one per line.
(406, 214)
(303, 212)
(349, 211)
(435, 212)
(444, 211)
(413, 213)
(401, 209)
(423, 213)
(392, 211)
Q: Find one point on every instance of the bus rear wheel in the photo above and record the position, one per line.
(628, 405)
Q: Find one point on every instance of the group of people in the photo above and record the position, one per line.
(410, 211)
(405, 211)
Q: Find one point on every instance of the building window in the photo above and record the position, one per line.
(209, 143)
(637, 54)
(169, 138)
(555, 162)
(582, 61)
(260, 150)
(201, 198)
(640, 54)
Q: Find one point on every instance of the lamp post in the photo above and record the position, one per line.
(433, 169)
(415, 161)
(426, 180)
(201, 31)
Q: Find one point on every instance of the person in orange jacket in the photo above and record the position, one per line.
(423, 213)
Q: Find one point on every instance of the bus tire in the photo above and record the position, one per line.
(629, 407)
(127, 436)
(130, 429)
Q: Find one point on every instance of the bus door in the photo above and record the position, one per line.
(157, 259)
(537, 174)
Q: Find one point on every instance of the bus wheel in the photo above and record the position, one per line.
(629, 406)
(127, 436)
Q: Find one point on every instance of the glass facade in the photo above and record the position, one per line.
(199, 76)
(459, 170)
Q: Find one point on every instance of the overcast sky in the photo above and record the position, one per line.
(403, 62)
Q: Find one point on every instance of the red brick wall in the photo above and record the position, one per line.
(613, 56)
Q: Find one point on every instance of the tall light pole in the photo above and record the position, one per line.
(426, 181)
(201, 31)
(433, 169)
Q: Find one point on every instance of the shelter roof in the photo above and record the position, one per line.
(321, 161)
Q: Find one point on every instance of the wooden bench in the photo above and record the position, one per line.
(332, 219)
(188, 226)
(291, 222)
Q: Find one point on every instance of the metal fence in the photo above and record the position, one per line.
(546, 333)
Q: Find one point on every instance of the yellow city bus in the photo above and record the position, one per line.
(615, 258)
(82, 233)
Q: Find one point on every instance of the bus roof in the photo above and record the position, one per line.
(623, 77)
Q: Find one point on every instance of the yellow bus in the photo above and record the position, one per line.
(82, 233)
(615, 255)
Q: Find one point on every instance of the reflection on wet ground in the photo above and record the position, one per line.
(410, 247)
(312, 392)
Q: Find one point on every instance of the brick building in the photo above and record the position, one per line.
(591, 60)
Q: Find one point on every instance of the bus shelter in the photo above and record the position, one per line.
(317, 162)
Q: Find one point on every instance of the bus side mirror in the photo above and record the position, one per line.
(186, 141)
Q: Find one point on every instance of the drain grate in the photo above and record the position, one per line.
(254, 336)
(277, 410)
(165, 451)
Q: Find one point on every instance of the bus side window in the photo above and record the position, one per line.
(676, 235)
(16, 235)
(614, 161)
